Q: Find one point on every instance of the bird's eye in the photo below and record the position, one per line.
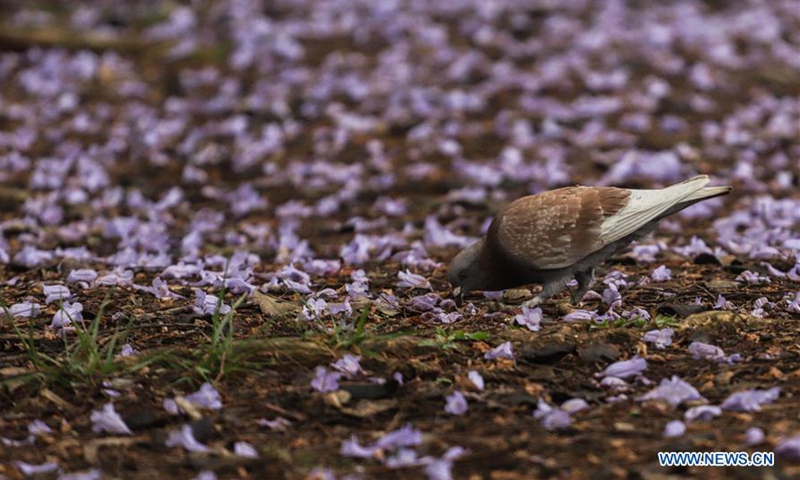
(462, 276)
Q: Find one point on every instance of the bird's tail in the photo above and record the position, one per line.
(701, 192)
(708, 192)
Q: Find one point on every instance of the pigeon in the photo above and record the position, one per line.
(553, 237)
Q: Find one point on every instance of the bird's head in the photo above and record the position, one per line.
(465, 272)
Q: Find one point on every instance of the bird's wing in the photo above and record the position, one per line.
(555, 229)
(644, 206)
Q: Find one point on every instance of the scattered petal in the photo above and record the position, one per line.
(476, 379)
(660, 338)
(30, 470)
(184, 437)
(674, 428)
(456, 404)
(754, 436)
(626, 368)
(750, 400)
(674, 391)
(702, 412)
(108, 420)
(325, 380)
(503, 351)
(661, 274)
(530, 318)
(244, 449)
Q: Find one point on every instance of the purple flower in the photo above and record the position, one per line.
(206, 304)
(206, 397)
(752, 278)
(626, 368)
(696, 247)
(405, 436)
(530, 318)
(412, 280)
(67, 314)
(55, 293)
(318, 473)
(348, 365)
(181, 270)
(759, 305)
(184, 437)
(702, 412)
(661, 338)
(391, 206)
(108, 420)
(789, 447)
(122, 278)
(645, 253)
(325, 381)
(405, 457)
(504, 351)
(723, 304)
(612, 297)
(661, 274)
(244, 449)
(10, 442)
(314, 309)
(206, 475)
(358, 250)
(574, 405)
(617, 398)
(437, 235)
(754, 436)
(700, 350)
(674, 428)
(476, 379)
(579, 316)
(38, 427)
(280, 424)
(87, 275)
(341, 308)
(674, 391)
(31, 256)
(30, 470)
(93, 474)
(25, 310)
(424, 303)
(322, 267)
(447, 317)
(456, 404)
(127, 350)
(439, 470)
(552, 418)
(245, 199)
(614, 383)
(794, 305)
(750, 400)
(705, 351)
(498, 295)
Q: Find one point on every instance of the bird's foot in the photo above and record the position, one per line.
(533, 302)
(577, 299)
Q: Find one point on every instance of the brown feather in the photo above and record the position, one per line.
(556, 228)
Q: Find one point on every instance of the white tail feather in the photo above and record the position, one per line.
(645, 206)
(707, 192)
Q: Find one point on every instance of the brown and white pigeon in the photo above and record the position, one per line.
(555, 236)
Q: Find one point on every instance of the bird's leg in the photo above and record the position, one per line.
(585, 280)
(548, 290)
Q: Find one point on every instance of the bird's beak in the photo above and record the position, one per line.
(458, 296)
